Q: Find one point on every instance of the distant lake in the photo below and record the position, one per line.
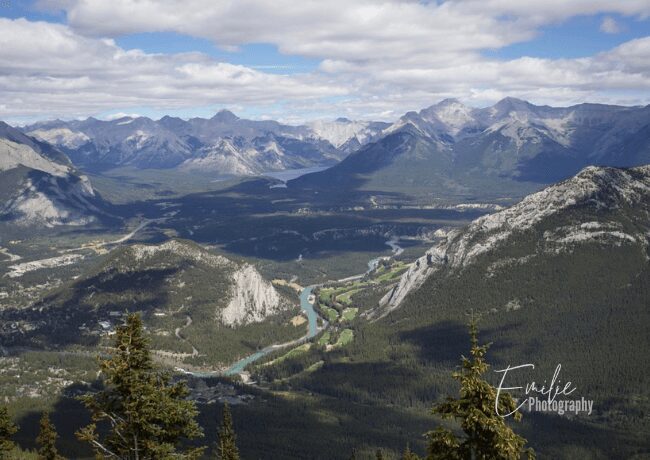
(289, 174)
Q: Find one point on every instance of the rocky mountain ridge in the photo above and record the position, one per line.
(224, 144)
(452, 149)
(41, 186)
(594, 188)
(250, 298)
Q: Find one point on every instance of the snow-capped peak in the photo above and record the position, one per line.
(341, 130)
(61, 136)
(139, 138)
(451, 113)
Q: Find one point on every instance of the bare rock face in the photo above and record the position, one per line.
(41, 187)
(64, 137)
(253, 299)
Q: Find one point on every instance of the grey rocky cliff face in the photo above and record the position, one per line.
(253, 299)
(48, 190)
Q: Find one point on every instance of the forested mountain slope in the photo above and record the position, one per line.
(563, 277)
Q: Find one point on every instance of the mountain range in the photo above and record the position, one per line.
(447, 148)
(452, 149)
(224, 144)
(447, 151)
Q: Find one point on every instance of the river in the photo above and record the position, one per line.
(312, 319)
(374, 263)
(312, 330)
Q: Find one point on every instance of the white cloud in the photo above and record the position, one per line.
(609, 25)
(48, 70)
(377, 58)
(339, 29)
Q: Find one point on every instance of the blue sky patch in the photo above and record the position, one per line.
(580, 36)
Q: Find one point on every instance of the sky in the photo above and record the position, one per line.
(302, 60)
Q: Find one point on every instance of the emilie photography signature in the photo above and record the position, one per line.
(545, 397)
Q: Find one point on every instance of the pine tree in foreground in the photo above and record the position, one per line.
(227, 448)
(147, 416)
(487, 436)
(408, 454)
(47, 440)
(7, 430)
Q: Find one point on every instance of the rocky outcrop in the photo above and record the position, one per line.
(253, 299)
(181, 249)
